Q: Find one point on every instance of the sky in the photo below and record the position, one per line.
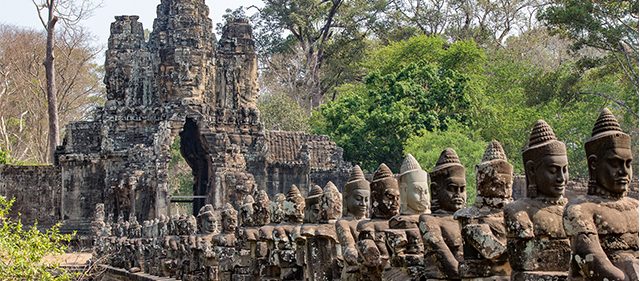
(23, 13)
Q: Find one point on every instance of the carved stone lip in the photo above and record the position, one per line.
(622, 181)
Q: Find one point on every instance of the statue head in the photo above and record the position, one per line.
(294, 206)
(207, 220)
(331, 203)
(229, 218)
(494, 174)
(448, 183)
(277, 208)
(385, 193)
(545, 163)
(415, 197)
(356, 195)
(313, 205)
(609, 157)
(261, 209)
(246, 211)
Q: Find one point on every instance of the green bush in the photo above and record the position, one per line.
(23, 249)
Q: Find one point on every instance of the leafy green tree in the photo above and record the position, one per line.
(411, 86)
(610, 26)
(426, 147)
(280, 112)
(4, 157)
(23, 249)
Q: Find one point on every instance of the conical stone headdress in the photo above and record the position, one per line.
(356, 180)
(542, 141)
(383, 179)
(606, 134)
(448, 160)
(494, 162)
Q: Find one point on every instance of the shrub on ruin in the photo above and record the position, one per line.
(25, 251)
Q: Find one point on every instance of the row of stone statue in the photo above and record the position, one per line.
(413, 226)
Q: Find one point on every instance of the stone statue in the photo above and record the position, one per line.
(483, 232)
(414, 188)
(320, 240)
(331, 204)
(207, 220)
(355, 208)
(313, 205)
(225, 243)
(277, 208)
(603, 225)
(440, 232)
(247, 211)
(285, 236)
(535, 223)
(373, 252)
(261, 210)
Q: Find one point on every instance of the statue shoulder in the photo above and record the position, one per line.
(517, 220)
(578, 216)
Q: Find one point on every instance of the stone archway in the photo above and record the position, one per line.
(193, 151)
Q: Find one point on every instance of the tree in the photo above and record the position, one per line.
(309, 34)
(280, 112)
(488, 23)
(23, 250)
(69, 12)
(412, 86)
(610, 26)
(23, 98)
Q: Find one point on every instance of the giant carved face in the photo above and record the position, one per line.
(417, 188)
(453, 195)
(550, 175)
(386, 201)
(208, 223)
(612, 169)
(358, 203)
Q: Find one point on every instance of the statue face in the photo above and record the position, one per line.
(229, 223)
(550, 175)
(452, 196)
(358, 202)
(390, 201)
(208, 224)
(313, 212)
(418, 196)
(613, 169)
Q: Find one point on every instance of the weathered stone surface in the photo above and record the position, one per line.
(537, 244)
(482, 225)
(23, 182)
(440, 232)
(603, 225)
(184, 83)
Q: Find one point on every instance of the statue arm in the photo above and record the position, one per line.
(586, 251)
(592, 260)
(347, 242)
(432, 237)
(518, 223)
(484, 241)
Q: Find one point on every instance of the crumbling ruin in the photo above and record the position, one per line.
(181, 83)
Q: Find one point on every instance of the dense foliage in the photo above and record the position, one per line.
(23, 250)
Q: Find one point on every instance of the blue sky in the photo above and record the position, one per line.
(23, 13)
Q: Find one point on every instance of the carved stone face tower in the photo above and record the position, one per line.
(182, 83)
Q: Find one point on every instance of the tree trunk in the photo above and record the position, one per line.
(52, 99)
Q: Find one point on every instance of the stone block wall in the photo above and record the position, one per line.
(37, 193)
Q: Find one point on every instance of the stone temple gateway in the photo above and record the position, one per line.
(181, 82)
